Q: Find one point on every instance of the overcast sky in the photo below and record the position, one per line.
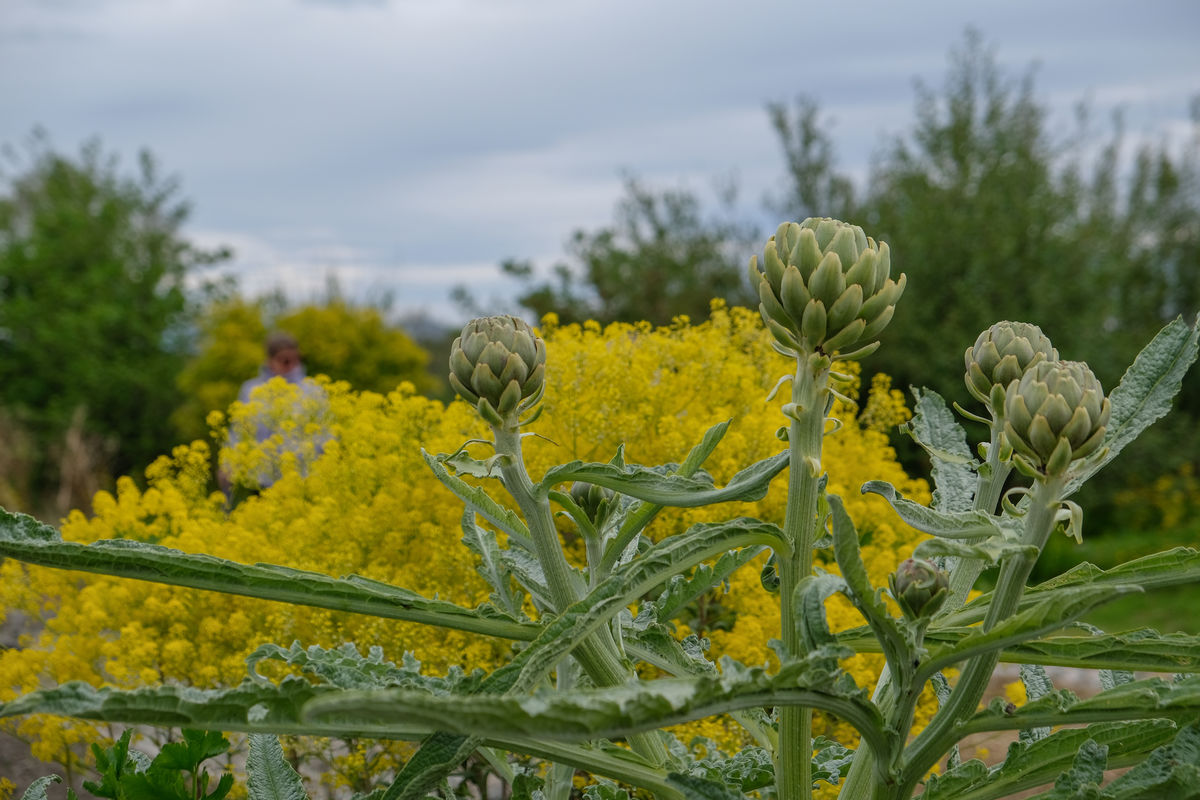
(409, 145)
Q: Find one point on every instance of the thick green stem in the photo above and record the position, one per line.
(943, 732)
(809, 396)
(599, 654)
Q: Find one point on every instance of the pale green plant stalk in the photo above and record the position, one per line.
(810, 397)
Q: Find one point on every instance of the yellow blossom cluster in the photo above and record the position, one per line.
(369, 505)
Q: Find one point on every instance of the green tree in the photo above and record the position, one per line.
(993, 218)
(92, 311)
(659, 259)
(337, 338)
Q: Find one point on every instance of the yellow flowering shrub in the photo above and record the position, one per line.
(369, 505)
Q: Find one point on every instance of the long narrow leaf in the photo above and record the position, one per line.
(1176, 567)
(503, 518)
(671, 490)
(1143, 650)
(1051, 613)
(25, 539)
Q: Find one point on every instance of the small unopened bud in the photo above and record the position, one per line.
(593, 499)
(919, 587)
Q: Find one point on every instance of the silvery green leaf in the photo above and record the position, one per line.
(1037, 684)
(527, 571)
(1151, 698)
(936, 430)
(482, 542)
(811, 593)
(1112, 678)
(503, 518)
(345, 668)
(604, 790)
(1034, 764)
(1172, 771)
(1052, 612)
(865, 596)
(944, 524)
(611, 711)
(1145, 650)
(748, 769)
(25, 539)
(37, 789)
(1145, 391)
(1175, 567)
(941, 688)
(1082, 781)
(990, 551)
(269, 775)
(671, 490)
(682, 590)
(700, 789)
(830, 760)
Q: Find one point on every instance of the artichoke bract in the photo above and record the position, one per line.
(919, 587)
(1001, 355)
(499, 365)
(1054, 414)
(825, 286)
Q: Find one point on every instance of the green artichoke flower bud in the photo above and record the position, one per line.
(1002, 354)
(919, 587)
(825, 287)
(594, 500)
(1054, 414)
(499, 365)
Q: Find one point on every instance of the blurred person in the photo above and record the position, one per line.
(284, 361)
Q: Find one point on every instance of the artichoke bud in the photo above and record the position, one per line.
(825, 283)
(919, 587)
(498, 364)
(1001, 355)
(592, 499)
(1056, 413)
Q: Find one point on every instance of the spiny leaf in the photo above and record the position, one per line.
(25, 539)
(271, 777)
(1146, 390)
(944, 524)
(1032, 764)
(682, 590)
(344, 668)
(934, 427)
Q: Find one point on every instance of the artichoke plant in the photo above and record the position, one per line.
(1054, 414)
(499, 365)
(825, 286)
(919, 587)
(1001, 355)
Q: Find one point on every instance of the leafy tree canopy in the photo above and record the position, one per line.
(92, 303)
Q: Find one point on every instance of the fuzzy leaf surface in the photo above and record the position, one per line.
(271, 777)
(962, 524)
(1146, 390)
(673, 490)
(1030, 765)
(503, 518)
(1175, 567)
(935, 429)
(25, 539)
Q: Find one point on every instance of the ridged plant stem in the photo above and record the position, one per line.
(809, 395)
(598, 654)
